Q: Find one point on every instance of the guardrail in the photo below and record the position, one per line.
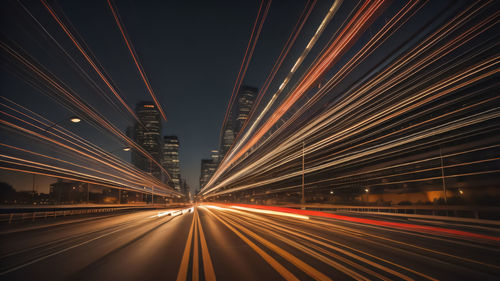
(10, 214)
(469, 212)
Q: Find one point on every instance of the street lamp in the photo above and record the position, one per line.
(75, 119)
(72, 119)
(126, 148)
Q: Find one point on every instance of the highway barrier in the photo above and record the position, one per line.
(11, 214)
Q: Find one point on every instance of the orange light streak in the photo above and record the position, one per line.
(351, 32)
(89, 60)
(284, 52)
(136, 61)
(81, 105)
(244, 64)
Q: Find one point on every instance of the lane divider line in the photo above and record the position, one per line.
(196, 271)
(207, 261)
(182, 274)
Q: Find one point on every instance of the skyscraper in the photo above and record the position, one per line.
(185, 189)
(208, 168)
(227, 137)
(215, 156)
(147, 135)
(170, 159)
(238, 115)
(246, 98)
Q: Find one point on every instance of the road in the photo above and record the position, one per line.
(219, 242)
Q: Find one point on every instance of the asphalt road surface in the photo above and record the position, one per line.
(218, 242)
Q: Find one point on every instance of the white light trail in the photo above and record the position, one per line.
(269, 212)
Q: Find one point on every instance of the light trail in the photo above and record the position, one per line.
(252, 42)
(447, 48)
(338, 47)
(448, 127)
(271, 212)
(395, 66)
(351, 32)
(72, 148)
(313, 273)
(81, 105)
(375, 41)
(339, 152)
(122, 173)
(309, 250)
(284, 52)
(89, 60)
(385, 32)
(331, 12)
(68, 137)
(173, 213)
(372, 221)
(133, 53)
(360, 155)
(104, 184)
(298, 232)
(132, 177)
(79, 68)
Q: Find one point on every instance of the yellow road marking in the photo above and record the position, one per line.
(182, 274)
(270, 260)
(195, 249)
(207, 262)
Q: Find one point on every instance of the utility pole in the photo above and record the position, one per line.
(442, 175)
(303, 200)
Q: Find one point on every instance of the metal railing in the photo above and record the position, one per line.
(10, 214)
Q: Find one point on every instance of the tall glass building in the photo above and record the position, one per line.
(227, 137)
(246, 98)
(170, 159)
(148, 136)
(237, 117)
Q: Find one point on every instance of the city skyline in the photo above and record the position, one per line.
(194, 110)
(250, 140)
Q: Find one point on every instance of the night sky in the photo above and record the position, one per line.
(190, 50)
